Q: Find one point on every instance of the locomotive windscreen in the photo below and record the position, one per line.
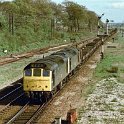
(28, 72)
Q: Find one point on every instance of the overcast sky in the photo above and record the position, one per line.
(112, 9)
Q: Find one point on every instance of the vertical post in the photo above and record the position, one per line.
(52, 28)
(58, 120)
(107, 21)
(98, 24)
(9, 22)
(102, 49)
(122, 33)
(12, 24)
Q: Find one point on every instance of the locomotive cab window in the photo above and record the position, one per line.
(37, 72)
(28, 72)
(46, 73)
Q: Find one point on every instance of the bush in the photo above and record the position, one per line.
(113, 69)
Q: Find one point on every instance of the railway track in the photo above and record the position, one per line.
(23, 111)
(24, 114)
(13, 58)
(30, 112)
(10, 109)
(8, 93)
(27, 113)
(7, 99)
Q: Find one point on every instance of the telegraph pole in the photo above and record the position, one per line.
(11, 23)
(52, 28)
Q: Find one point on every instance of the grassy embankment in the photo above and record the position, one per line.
(29, 41)
(109, 93)
(112, 65)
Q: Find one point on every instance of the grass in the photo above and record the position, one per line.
(112, 64)
(14, 70)
(88, 89)
(111, 121)
(20, 42)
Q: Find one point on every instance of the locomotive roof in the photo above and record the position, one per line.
(60, 53)
(70, 51)
(54, 60)
(67, 52)
(42, 63)
(57, 58)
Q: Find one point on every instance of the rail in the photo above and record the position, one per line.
(13, 58)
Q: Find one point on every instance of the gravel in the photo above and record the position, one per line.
(105, 105)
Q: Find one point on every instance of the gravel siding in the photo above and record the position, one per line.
(105, 105)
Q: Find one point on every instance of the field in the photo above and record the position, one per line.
(104, 98)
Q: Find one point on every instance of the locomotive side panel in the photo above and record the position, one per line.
(74, 62)
(73, 59)
(60, 74)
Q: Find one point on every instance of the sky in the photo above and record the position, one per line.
(112, 9)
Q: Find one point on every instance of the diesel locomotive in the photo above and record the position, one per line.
(45, 76)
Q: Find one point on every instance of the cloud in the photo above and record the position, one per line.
(118, 5)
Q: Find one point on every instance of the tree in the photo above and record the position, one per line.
(76, 13)
(92, 20)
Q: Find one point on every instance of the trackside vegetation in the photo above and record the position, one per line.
(31, 24)
(113, 63)
(104, 95)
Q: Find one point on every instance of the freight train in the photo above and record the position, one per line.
(44, 77)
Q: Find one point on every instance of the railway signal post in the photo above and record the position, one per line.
(98, 25)
(107, 21)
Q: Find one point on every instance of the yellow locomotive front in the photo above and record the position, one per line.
(37, 79)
